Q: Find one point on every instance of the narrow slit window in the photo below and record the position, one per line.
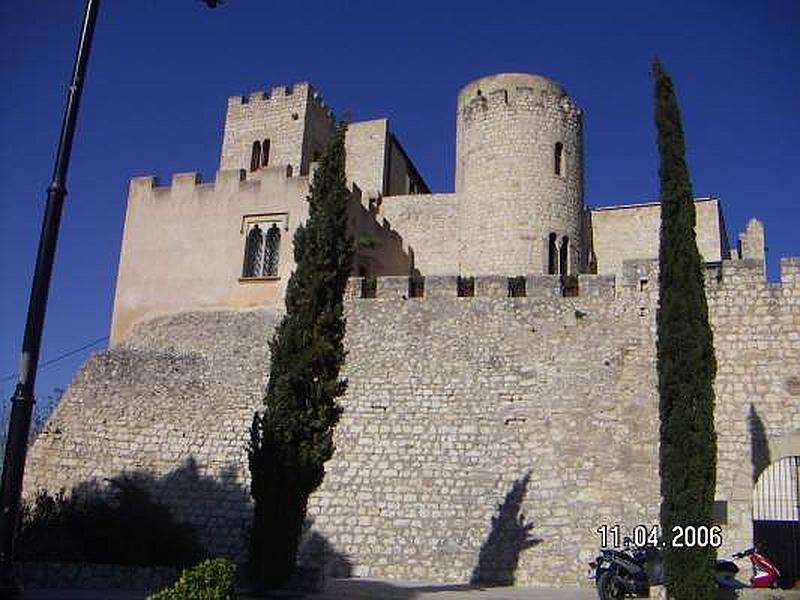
(558, 158)
(563, 258)
(265, 153)
(255, 157)
(552, 254)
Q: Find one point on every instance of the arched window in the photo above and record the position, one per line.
(563, 256)
(253, 251)
(262, 251)
(558, 158)
(265, 153)
(552, 254)
(255, 157)
(272, 249)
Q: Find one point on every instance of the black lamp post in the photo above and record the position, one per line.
(23, 398)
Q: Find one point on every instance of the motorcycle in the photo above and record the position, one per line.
(765, 573)
(631, 570)
(627, 571)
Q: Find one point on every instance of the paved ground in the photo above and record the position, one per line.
(360, 589)
(375, 589)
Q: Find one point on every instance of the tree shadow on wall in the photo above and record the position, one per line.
(759, 448)
(317, 561)
(509, 536)
(139, 518)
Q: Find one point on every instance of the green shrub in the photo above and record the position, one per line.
(123, 527)
(212, 579)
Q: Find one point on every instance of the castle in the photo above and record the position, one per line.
(502, 400)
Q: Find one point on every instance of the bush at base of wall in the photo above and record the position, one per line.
(124, 527)
(212, 579)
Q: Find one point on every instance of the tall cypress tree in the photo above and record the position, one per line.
(686, 362)
(293, 436)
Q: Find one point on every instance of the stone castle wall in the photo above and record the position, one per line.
(481, 435)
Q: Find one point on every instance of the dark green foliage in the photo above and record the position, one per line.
(293, 437)
(125, 527)
(686, 362)
(212, 579)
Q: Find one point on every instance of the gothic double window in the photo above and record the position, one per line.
(259, 156)
(262, 250)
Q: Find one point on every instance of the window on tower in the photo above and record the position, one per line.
(255, 156)
(558, 159)
(552, 254)
(265, 152)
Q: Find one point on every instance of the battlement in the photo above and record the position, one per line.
(640, 279)
(226, 179)
(489, 286)
(514, 90)
(278, 96)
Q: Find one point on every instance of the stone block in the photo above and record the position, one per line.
(392, 287)
(441, 286)
(543, 286)
(598, 286)
(491, 286)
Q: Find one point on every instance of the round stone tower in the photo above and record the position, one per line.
(519, 177)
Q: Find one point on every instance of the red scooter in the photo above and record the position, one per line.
(765, 573)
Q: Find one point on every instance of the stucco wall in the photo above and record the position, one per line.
(183, 245)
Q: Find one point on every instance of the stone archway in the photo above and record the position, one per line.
(763, 450)
(776, 516)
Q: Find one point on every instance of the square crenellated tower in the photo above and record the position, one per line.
(289, 125)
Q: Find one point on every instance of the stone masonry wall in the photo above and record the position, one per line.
(757, 341)
(171, 402)
(483, 435)
(453, 400)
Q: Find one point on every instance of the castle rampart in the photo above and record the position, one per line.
(451, 401)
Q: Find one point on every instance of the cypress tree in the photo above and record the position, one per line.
(293, 436)
(686, 363)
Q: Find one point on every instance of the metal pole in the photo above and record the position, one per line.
(23, 399)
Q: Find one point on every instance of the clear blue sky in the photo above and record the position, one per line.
(161, 71)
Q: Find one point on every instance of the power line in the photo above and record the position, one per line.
(47, 363)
